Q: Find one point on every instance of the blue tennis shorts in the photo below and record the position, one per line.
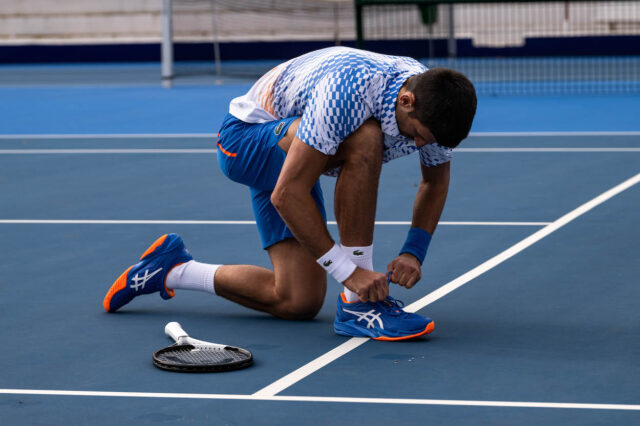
(248, 153)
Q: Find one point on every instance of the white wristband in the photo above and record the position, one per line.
(337, 263)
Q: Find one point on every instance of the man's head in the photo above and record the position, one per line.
(437, 105)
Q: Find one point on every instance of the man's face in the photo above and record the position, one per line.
(411, 127)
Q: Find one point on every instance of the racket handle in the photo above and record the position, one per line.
(175, 331)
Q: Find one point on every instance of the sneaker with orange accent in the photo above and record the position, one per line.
(384, 320)
(149, 274)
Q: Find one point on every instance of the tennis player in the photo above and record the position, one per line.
(340, 112)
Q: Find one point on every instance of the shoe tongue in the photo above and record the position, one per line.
(391, 306)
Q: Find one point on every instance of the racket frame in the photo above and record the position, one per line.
(183, 342)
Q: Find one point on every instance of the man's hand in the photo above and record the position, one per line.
(370, 286)
(405, 270)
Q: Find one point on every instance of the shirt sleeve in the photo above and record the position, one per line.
(334, 111)
(433, 154)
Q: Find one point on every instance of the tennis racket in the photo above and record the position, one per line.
(195, 356)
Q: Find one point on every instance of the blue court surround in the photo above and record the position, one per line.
(558, 322)
(156, 110)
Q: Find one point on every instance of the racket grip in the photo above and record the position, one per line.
(175, 331)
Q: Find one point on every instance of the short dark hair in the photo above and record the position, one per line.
(445, 103)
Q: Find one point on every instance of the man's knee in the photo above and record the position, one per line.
(300, 310)
(300, 283)
(302, 300)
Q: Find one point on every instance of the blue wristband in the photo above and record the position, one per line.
(417, 243)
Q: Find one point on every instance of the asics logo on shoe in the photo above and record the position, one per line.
(358, 253)
(327, 263)
(370, 317)
(139, 282)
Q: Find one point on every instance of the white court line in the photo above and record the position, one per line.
(555, 133)
(97, 151)
(626, 149)
(215, 135)
(108, 151)
(233, 222)
(405, 401)
(112, 136)
(304, 371)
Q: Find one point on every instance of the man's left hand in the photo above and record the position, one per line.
(405, 270)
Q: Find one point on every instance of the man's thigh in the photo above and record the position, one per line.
(270, 224)
(248, 153)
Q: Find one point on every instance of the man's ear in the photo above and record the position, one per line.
(406, 100)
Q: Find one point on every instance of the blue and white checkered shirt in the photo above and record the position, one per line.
(336, 90)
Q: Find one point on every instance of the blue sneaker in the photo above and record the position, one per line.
(148, 275)
(384, 320)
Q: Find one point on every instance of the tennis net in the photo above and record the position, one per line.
(505, 47)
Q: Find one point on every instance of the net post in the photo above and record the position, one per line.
(336, 23)
(167, 44)
(216, 42)
(359, 32)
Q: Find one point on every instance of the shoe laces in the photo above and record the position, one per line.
(392, 305)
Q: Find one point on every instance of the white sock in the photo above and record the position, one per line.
(363, 258)
(192, 275)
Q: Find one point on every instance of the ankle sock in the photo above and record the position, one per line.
(362, 256)
(192, 275)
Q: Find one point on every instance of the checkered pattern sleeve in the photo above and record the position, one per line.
(432, 155)
(335, 109)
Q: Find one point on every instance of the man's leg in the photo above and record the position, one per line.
(356, 194)
(297, 286)
(295, 289)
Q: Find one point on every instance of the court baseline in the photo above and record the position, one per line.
(349, 400)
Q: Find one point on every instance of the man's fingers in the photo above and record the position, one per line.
(397, 276)
(364, 295)
(406, 277)
(411, 282)
(383, 291)
(414, 279)
(407, 280)
(391, 265)
(372, 293)
(378, 289)
(375, 290)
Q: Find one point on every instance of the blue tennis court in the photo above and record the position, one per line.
(531, 277)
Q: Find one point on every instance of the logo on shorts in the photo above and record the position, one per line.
(278, 129)
(327, 263)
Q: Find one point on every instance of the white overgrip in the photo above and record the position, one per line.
(175, 331)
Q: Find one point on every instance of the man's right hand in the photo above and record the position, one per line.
(370, 286)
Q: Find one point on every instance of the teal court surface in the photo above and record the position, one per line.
(532, 276)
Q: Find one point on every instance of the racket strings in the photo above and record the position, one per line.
(202, 356)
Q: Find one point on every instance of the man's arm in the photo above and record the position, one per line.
(427, 208)
(292, 198)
